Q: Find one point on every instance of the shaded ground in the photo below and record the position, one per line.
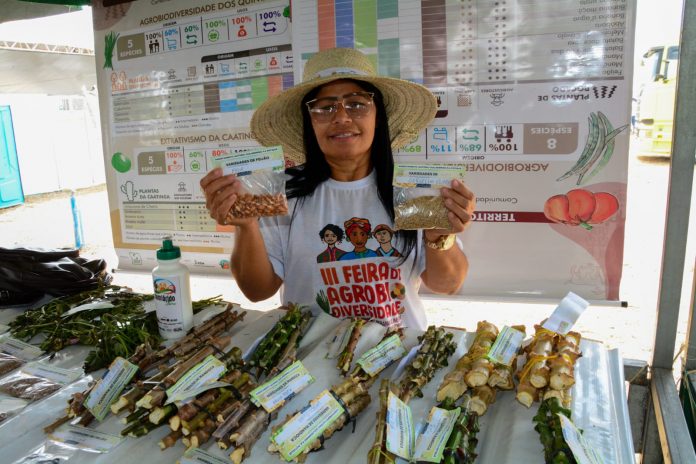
(45, 220)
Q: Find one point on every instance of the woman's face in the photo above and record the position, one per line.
(342, 138)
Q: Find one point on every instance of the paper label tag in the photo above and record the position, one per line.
(506, 346)
(376, 359)
(400, 434)
(4, 328)
(206, 371)
(566, 313)
(109, 387)
(431, 442)
(340, 339)
(104, 304)
(52, 373)
(198, 456)
(251, 160)
(20, 349)
(582, 451)
(427, 175)
(87, 439)
(294, 436)
(283, 387)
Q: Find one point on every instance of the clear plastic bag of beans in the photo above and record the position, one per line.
(262, 172)
(418, 203)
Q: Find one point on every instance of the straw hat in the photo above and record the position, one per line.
(278, 121)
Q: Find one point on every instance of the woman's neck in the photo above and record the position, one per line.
(349, 171)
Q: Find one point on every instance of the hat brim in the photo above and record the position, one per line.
(410, 108)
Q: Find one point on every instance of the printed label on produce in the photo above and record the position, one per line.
(566, 314)
(86, 439)
(20, 349)
(376, 359)
(582, 451)
(248, 161)
(400, 434)
(283, 387)
(340, 338)
(4, 328)
(206, 371)
(53, 373)
(427, 175)
(294, 436)
(430, 443)
(506, 346)
(198, 456)
(109, 387)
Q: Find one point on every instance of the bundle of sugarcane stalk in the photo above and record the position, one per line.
(346, 357)
(436, 347)
(379, 454)
(286, 332)
(354, 396)
(149, 360)
(550, 367)
(462, 442)
(548, 425)
(152, 411)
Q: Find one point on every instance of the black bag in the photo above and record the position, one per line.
(26, 274)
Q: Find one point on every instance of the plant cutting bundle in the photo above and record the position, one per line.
(462, 442)
(158, 369)
(548, 425)
(550, 366)
(286, 332)
(436, 347)
(346, 356)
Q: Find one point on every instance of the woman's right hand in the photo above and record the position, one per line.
(220, 194)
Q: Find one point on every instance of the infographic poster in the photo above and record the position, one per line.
(534, 99)
(178, 83)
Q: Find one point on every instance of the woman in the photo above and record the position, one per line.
(339, 126)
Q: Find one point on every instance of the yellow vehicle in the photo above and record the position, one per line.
(652, 121)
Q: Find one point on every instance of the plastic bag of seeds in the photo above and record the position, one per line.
(418, 203)
(37, 380)
(262, 171)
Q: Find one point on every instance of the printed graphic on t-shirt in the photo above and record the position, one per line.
(357, 273)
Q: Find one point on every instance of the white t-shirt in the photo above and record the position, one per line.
(350, 278)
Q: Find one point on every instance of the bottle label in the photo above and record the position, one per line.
(170, 312)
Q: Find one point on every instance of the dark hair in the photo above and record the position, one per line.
(304, 179)
(333, 228)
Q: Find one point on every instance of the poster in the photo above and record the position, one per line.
(178, 83)
(526, 89)
(534, 99)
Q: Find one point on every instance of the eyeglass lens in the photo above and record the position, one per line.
(356, 105)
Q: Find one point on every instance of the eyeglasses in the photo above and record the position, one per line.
(356, 104)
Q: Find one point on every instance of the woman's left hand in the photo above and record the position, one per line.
(460, 203)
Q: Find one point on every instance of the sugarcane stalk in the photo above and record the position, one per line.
(201, 435)
(435, 348)
(136, 415)
(346, 356)
(461, 445)
(233, 419)
(212, 408)
(482, 397)
(160, 415)
(170, 440)
(379, 454)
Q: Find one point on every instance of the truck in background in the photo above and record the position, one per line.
(652, 121)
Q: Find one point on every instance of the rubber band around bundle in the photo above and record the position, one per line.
(346, 412)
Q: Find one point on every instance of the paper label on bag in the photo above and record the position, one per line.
(198, 456)
(4, 328)
(109, 387)
(566, 313)
(206, 371)
(340, 338)
(376, 359)
(582, 451)
(400, 435)
(87, 439)
(427, 175)
(20, 349)
(52, 373)
(247, 161)
(283, 387)
(506, 346)
(430, 443)
(295, 435)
